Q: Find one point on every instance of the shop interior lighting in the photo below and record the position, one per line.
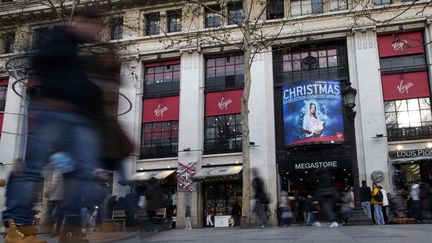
(399, 147)
(429, 145)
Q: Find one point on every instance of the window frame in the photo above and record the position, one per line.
(214, 144)
(235, 77)
(213, 12)
(303, 4)
(339, 6)
(116, 27)
(235, 13)
(177, 16)
(396, 113)
(159, 147)
(8, 39)
(151, 23)
(38, 36)
(382, 2)
(275, 9)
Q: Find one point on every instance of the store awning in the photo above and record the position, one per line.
(231, 172)
(157, 174)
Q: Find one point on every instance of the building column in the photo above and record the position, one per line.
(191, 130)
(365, 76)
(130, 116)
(262, 125)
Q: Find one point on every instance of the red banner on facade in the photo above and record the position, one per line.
(3, 82)
(161, 109)
(223, 103)
(400, 44)
(405, 86)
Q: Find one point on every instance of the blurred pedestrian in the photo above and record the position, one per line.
(415, 201)
(347, 205)
(385, 204)
(365, 198)
(235, 213)
(55, 196)
(61, 119)
(261, 198)
(376, 201)
(285, 209)
(425, 202)
(309, 210)
(327, 196)
(153, 195)
(188, 218)
(208, 216)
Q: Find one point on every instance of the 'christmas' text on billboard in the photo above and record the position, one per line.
(313, 112)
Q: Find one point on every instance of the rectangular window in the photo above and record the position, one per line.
(310, 60)
(152, 24)
(224, 71)
(408, 113)
(213, 18)
(382, 2)
(336, 5)
(7, 42)
(159, 139)
(275, 9)
(235, 13)
(305, 7)
(223, 134)
(162, 73)
(174, 21)
(116, 28)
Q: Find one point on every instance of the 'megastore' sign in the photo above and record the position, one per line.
(316, 165)
(410, 153)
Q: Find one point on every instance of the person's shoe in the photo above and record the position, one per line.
(21, 234)
(317, 224)
(334, 224)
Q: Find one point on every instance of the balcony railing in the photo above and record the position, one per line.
(409, 133)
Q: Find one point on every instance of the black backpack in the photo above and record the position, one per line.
(379, 196)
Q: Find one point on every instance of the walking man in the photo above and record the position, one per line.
(365, 198)
(61, 122)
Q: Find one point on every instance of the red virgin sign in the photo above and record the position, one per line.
(400, 44)
(161, 109)
(405, 86)
(223, 103)
(1, 122)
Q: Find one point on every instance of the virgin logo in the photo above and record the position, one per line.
(223, 104)
(399, 45)
(159, 111)
(404, 88)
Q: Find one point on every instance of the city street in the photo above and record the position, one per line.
(303, 234)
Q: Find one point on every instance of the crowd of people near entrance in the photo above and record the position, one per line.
(336, 205)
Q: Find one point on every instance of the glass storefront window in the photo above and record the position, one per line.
(408, 113)
(159, 139)
(223, 134)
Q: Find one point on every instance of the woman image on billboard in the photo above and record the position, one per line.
(312, 125)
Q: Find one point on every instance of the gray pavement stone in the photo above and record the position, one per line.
(293, 234)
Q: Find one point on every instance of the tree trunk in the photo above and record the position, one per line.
(246, 210)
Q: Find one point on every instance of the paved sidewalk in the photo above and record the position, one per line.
(420, 233)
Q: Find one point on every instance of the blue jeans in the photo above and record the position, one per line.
(367, 208)
(379, 217)
(53, 131)
(310, 218)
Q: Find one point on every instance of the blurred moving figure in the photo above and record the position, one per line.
(425, 202)
(261, 198)
(385, 204)
(327, 196)
(347, 206)
(285, 209)
(61, 120)
(415, 201)
(188, 218)
(55, 196)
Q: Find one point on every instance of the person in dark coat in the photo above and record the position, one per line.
(261, 198)
(327, 195)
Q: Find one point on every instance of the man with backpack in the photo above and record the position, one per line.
(376, 201)
(365, 198)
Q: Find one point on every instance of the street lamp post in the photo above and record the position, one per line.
(349, 95)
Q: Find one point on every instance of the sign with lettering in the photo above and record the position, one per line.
(161, 109)
(223, 103)
(405, 86)
(335, 163)
(400, 44)
(410, 154)
(185, 172)
(312, 112)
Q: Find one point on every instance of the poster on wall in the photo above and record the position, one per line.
(312, 112)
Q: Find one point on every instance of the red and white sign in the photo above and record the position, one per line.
(185, 172)
(223, 103)
(405, 86)
(400, 44)
(161, 109)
